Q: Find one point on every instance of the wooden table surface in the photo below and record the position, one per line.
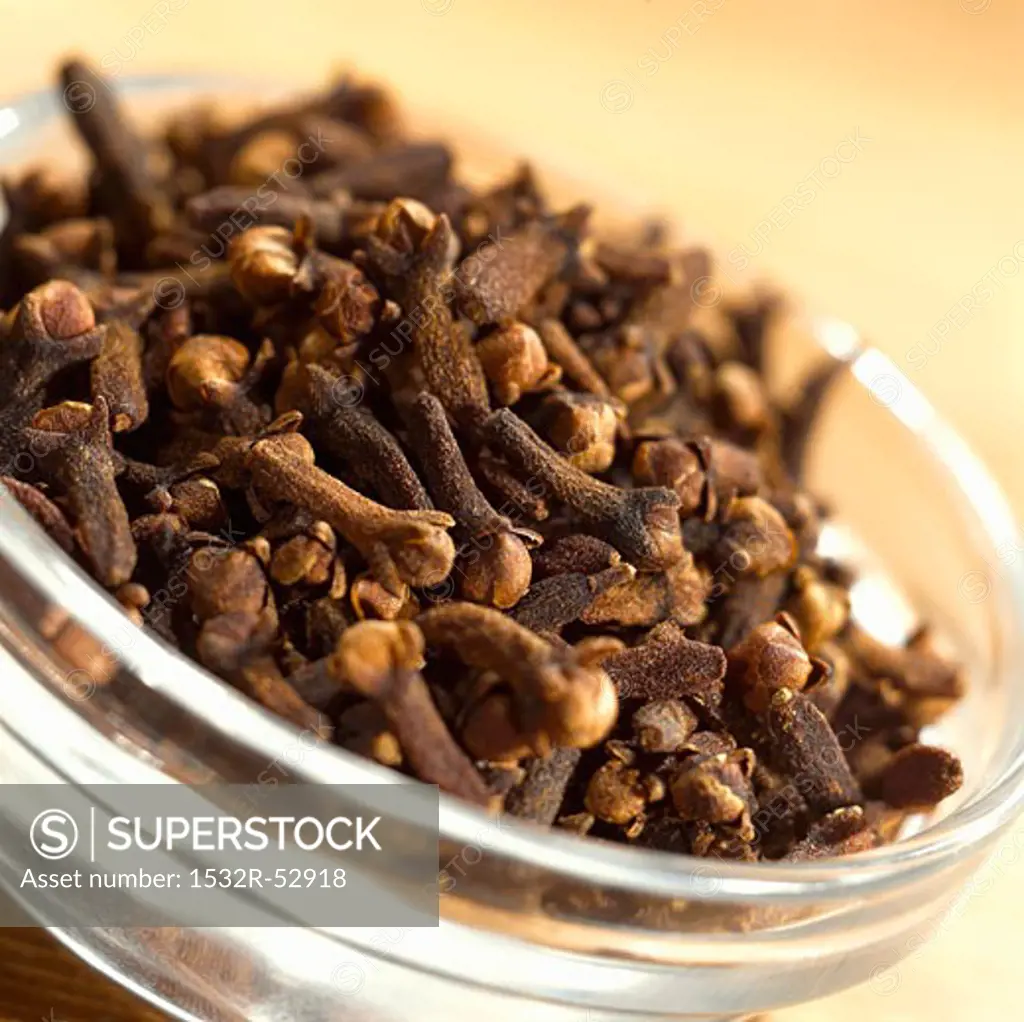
(718, 108)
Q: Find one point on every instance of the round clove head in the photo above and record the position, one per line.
(770, 658)
(405, 223)
(497, 573)
(820, 609)
(756, 538)
(663, 538)
(261, 158)
(426, 558)
(717, 790)
(514, 361)
(741, 394)
(672, 464)
(347, 301)
(580, 706)
(226, 581)
(615, 793)
(205, 370)
(370, 653)
(584, 427)
(307, 558)
(264, 264)
(59, 308)
(228, 641)
(664, 725)
(200, 503)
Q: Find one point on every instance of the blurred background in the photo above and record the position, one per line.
(867, 156)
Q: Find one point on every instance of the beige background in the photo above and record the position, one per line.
(746, 99)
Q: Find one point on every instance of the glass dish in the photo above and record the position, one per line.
(534, 924)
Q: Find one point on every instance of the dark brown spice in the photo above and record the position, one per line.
(117, 377)
(43, 510)
(504, 276)
(670, 666)
(841, 832)
(920, 777)
(717, 790)
(354, 437)
(561, 699)
(805, 748)
(538, 797)
(420, 264)
(566, 354)
(82, 464)
(415, 560)
(552, 603)
(642, 524)
(664, 725)
(381, 660)
(496, 566)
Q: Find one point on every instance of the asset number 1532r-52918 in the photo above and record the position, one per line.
(257, 878)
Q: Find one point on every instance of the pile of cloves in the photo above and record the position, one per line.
(440, 477)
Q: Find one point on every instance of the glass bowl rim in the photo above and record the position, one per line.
(666, 874)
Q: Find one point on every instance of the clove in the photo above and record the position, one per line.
(401, 547)
(642, 524)
(382, 661)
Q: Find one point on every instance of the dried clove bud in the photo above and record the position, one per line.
(583, 427)
(643, 524)
(381, 660)
(82, 464)
(807, 748)
(576, 553)
(354, 437)
(755, 538)
(560, 699)
(669, 666)
(717, 790)
(138, 206)
(555, 602)
(336, 221)
(677, 594)
(819, 609)
(415, 170)
(43, 510)
(214, 373)
(495, 565)
(842, 832)
(770, 659)
(538, 796)
(53, 328)
(117, 377)
(664, 725)
(237, 645)
(740, 395)
(615, 794)
(515, 362)
(919, 777)
(504, 276)
(420, 274)
(305, 559)
(410, 547)
(264, 264)
(679, 466)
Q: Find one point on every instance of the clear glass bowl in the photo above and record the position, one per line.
(542, 924)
